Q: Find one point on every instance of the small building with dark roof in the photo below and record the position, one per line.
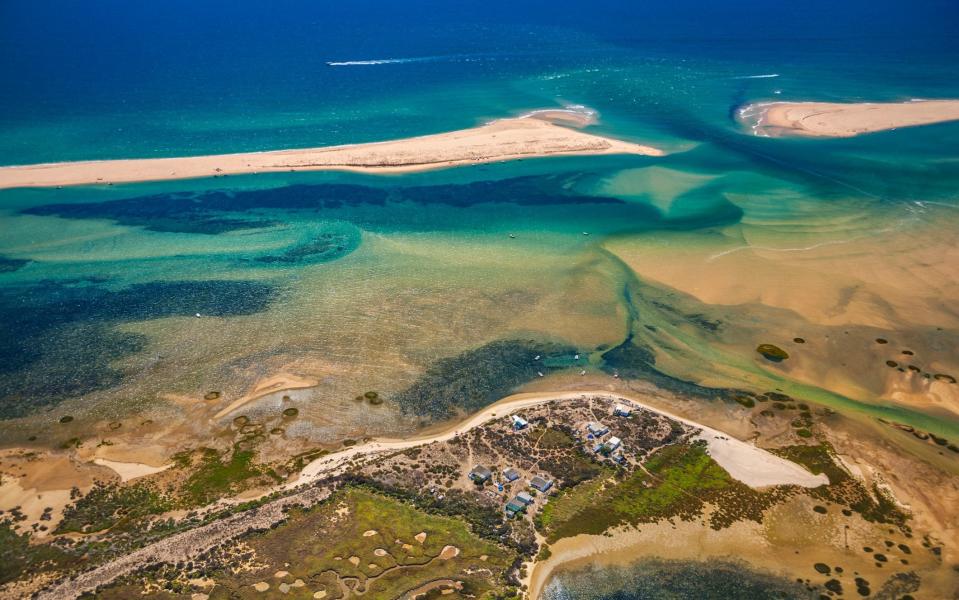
(515, 505)
(540, 483)
(510, 474)
(597, 429)
(480, 474)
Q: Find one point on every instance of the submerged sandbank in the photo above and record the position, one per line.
(831, 119)
(506, 139)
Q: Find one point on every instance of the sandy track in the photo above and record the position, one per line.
(184, 546)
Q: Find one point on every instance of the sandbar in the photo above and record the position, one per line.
(271, 385)
(833, 119)
(532, 136)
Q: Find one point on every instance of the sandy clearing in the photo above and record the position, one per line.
(449, 552)
(505, 139)
(130, 470)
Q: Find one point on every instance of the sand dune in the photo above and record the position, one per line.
(827, 119)
(506, 139)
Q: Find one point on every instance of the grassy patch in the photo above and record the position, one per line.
(553, 438)
(216, 476)
(681, 480)
(18, 556)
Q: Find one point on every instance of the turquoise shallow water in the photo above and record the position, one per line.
(134, 83)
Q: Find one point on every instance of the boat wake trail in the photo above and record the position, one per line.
(400, 61)
(765, 76)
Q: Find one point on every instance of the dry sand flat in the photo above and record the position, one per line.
(505, 139)
(828, 119)
(131, 470)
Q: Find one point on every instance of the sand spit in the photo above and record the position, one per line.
(505, 139)
(752, 465)
(277, 383)
(828, 119)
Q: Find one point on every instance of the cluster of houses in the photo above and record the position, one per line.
(604, 443)
(520, 501)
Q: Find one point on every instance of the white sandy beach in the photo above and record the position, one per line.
(829, 119)
(507, 139)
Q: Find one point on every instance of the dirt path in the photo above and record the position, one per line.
(184, 546)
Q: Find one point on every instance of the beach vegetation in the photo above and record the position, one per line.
(18, 555)
(677, 482)
(214, 476)
(844, 489)
(113, 506)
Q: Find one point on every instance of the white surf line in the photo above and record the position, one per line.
(743, 461)
(766, 248)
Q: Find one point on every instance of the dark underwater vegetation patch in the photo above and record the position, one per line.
(656, 579)
(59, 339)
(772, 352)
(633, 360)
(220, 211)
(476, 378)
(8, 265)
(318, 247)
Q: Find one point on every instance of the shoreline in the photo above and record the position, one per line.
(534, 135)
(837, 120)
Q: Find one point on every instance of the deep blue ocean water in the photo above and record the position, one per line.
(114, 79)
